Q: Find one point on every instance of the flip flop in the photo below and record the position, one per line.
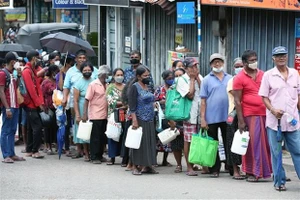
(17, 158)
(214, 175)
(96, 162)
(149, 171)
(192, 173)
(204, 172)
(281, 188)
(37, 156)
(136, 172)
(8, 160)
(178, 169)
(238, 177)
(252, 179)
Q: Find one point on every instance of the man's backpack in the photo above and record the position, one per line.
(7, 77)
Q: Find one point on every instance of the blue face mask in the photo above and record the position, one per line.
(237, 70)
(15, 74)
(170, 82)
(108, 79)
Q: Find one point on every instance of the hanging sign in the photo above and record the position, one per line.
(68, 4)
(179, 36)
(186, 13)
(114, 3)
(6, 4)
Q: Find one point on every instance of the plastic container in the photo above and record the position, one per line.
(240, 142)
(84, 130)
(290, 119)
(168, 135)
(133, 138)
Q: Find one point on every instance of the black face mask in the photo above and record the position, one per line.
(146, 80)
(134, 61)
(87, 74)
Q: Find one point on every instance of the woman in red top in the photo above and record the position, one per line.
(48, 85)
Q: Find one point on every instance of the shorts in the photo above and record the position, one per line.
(188, 131)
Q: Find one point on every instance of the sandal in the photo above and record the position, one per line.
(214, 175)
(124, 165)
(87, 159)
(37, 156)
(96, 162)
(238, 177)
(8, 160)
(77, 155)
(149, 171)
(17, 158)
(28, 155)
(252, 179)
(178, 169)
(191, 173)
(136, 172)
(281, 188)
(50, 152)
(23, 151)
(166, 164)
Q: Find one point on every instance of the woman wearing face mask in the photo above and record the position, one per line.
(160, 97)
(233, 160)
(113, 96)
(48, 85)
(80, 89)
(141, 105)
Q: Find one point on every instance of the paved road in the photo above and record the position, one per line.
(51, 178)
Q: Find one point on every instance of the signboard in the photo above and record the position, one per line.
(17, 14)
(114, 3)
(274, 4)
(68, 4)
(179, 36)
(297, 28)
(186, 13)
(6, 4)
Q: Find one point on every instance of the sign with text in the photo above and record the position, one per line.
(6, 4)
(17, 14)
(186, 13)
(274, 4)
(114, 3)
(68, 4)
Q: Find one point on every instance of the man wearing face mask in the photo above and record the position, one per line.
(95, 106)
(214, 104)
(135, 61)
(251, 113)
(34, 103)
(9, 109)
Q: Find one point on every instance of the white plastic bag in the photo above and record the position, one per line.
(133, 138)
(221, 149)
(113, 129)
(240, 142)
(160, 117)
(84, 130)
(168, 135)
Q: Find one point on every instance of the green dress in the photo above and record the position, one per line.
(81, 85)
(113, 95)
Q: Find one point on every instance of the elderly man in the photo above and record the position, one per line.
(280, 91)
(214, 103)
(95, 107)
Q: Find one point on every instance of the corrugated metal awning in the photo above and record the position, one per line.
(168, 5)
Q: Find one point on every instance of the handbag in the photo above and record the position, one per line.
(177, 107)
(168, 135)
(203, 149)
(133, 138)
(20, 98)
(113, 129)
(84, 130)
(119, 114)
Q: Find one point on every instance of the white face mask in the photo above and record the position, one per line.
(253, 65)
(119, 79)
(217, 70)
(57, 63)
(237, 70)
(17, 65)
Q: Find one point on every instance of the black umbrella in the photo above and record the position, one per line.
(66, 43)
(21, 49)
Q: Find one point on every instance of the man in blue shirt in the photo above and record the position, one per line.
(214, 103)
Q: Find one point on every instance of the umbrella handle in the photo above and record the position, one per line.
(279, 134)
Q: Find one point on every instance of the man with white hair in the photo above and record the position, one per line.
(95, 109)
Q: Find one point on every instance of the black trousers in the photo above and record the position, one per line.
(213, 132)
(34, 130)
(50, 132)
(98, 139)
(67, 130)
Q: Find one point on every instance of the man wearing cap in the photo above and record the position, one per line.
(251, 115)
(214, 104)
(95, 109)
(10, 109)
(34, 103)
(280, 91)
(189, 86)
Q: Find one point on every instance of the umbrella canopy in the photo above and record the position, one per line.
(61, 119)
(279, 169)
(21, 49)
(66, 43)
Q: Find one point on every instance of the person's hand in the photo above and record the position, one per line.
(9, 114)
(204, 124)
(135, 124)
(193, 74)
(78, 119)
(84, 118)
(64, 102)
(172, 124)
(42, 108)
(277, 113)
(241, 126)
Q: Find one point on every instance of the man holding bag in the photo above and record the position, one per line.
(95, 106)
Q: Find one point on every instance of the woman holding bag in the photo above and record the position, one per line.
(141, 105)
(113, 96)
(80, 89)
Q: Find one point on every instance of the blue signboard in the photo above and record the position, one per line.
(68, 4)
(297, 28)
(186, 13)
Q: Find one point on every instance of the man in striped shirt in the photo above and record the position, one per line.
(10, 109)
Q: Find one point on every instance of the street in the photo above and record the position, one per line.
(50, 178)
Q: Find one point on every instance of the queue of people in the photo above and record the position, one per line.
(255, 99)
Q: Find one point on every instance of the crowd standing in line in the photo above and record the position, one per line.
(260, 100)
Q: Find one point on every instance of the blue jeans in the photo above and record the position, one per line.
(8, 131)
(292, 140)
